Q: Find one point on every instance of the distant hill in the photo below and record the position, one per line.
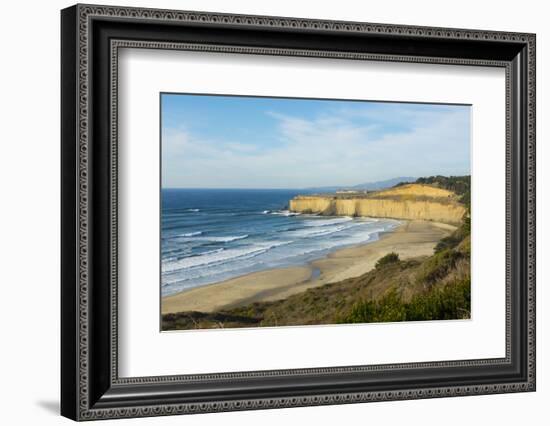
(382, 184)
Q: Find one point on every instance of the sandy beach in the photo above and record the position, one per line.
(412, 239)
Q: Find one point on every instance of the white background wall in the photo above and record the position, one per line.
(29, 213)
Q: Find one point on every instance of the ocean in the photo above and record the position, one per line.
(210, 235)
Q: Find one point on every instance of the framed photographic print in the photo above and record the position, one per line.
(307, 242)
(263, 212)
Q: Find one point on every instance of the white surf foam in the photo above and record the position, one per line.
(285, 213)
(227, 239)
(222, 256)
(326, 222)
(190, 234)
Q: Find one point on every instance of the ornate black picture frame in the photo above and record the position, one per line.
(91, 387)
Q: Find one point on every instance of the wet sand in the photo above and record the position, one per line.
(412, 239)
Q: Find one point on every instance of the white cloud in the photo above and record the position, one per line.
(324, 151)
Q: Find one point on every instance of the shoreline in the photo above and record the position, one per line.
(415, 238)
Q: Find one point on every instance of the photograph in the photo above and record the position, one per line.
(300, 212)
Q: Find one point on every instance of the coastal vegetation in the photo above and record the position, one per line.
(435, 287)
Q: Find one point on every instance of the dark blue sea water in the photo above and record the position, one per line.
(210, 235)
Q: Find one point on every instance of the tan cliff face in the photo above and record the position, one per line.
(406, 202)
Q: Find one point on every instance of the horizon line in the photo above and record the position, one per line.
(314, 187)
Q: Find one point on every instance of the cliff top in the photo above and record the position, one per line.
(416, 189)
(403, 192)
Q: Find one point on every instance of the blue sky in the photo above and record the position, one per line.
(249, 142)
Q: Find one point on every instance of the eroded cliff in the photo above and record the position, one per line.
(412, 201)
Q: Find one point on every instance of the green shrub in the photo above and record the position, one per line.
(466, 227)
(437, 266)
(386, 260)
(451, 301)
(445, 243)
(388, 309)
(456, 237)
(465, 199)
(465, 247)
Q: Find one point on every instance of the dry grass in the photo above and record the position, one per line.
(418, 190)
